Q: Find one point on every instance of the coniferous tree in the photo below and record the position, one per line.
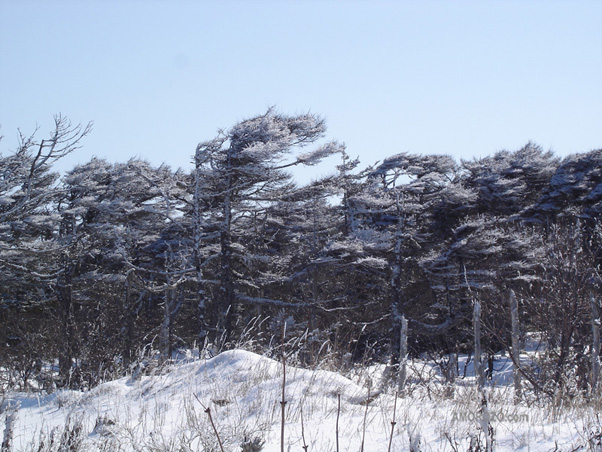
(243, 171)
(28, 229)
(411, 185)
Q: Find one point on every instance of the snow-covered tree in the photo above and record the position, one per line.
(508, 183)
(575, 188)
(488, 244)
(110, 215)
(411, 185)
(29, 192)
(560, 307)
(242, 172)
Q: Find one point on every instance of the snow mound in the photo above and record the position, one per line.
(243, 391)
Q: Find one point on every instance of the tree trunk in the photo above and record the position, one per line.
(67, 325)
(595, 342)
(201, 310)
(515, 345)
(165, 331)
(198, 243)
(403, 355)
(398, 318)
(227, 292)
(451, 373)
(480, 378)
(128, 322)
(64, 292)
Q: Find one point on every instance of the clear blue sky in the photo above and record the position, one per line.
(466, 78)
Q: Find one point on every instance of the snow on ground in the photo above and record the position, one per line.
(243, 392)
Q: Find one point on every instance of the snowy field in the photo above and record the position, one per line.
(165, 412)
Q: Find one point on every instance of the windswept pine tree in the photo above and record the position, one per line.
(238, 175)
(29, 227)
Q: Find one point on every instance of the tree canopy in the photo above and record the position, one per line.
(115, 262)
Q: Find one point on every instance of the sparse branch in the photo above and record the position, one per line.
(283, 400)
(393, 423)
(208, 411)
(46, 276)
(28, 166)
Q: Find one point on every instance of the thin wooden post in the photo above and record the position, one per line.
(595, 342)
(478, 363)
(515, 345)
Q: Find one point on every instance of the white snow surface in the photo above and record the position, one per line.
(243, 391)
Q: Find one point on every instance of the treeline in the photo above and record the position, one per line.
(116, 262)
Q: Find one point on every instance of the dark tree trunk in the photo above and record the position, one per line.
(128, 322)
